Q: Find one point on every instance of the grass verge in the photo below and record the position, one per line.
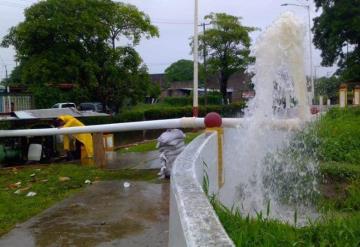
(151, 145)
(337, 230)
(46, 182)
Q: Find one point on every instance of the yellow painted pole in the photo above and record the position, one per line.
(220, 136)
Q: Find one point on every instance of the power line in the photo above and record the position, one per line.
(172, 23)
(13, 4)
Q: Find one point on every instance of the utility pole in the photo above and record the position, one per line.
(195, 109)
(6, 72)
(205, 68)
(307, 7)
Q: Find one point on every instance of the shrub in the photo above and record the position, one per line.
(162, 111)
(212, 99)
(130, 116)
(339, 135)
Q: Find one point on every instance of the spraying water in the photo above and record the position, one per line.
(263, 172)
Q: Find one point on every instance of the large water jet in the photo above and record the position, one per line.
(262, 163)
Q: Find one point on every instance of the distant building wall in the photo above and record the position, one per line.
(10, 103)
(237, 84)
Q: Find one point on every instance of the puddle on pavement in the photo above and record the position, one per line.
(105, 214)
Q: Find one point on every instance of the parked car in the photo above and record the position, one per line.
(91, 106)
(64, 105)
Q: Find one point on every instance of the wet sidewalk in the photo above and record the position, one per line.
(104, 214)
(136, 160)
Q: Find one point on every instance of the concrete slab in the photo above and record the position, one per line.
(104, 214)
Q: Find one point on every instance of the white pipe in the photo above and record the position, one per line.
(284, 124)
(280, 124)
(118, 127)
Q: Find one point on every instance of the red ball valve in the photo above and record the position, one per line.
(212, 120)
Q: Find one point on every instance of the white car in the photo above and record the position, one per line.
(64, 105)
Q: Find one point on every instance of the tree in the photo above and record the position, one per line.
(183, 70)
(127, 80)
(228, 47)
(74, 41)
(127, 21)
(337, 35)
(327, 86)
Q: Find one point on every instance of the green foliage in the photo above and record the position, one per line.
(73, 41)
(328, 87)
(352, 199)
(245, 231)
(182, 70)
(16, 208)
(131, 116)
(163, 111)
(126, 20)
(340, 171)
(227, 45)
(212, 99)
(337, 35)
(339, 135)
(4, 125)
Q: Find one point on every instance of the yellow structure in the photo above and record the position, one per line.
(357, 95)
(85, 139)
(220, 141)
(343, 95)
(108, 142)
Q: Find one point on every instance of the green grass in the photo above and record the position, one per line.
(337, 230)
(339, 136)
(340, 170)
(151, 145)
(16, 208)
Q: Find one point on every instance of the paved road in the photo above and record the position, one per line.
(104, 214)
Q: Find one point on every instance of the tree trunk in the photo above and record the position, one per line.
(223, 87)
(113, 42)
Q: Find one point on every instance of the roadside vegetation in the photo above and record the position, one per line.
(335, 138)
(51, 183)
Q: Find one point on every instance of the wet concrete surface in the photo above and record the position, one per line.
(104, 214)
(145, 160)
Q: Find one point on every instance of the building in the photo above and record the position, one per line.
(238, 86)
(14, 99)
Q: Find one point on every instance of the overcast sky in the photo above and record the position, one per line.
(174, 19)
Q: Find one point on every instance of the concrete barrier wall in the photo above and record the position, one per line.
(193, 222)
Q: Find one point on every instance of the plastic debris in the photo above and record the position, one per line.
(170, 144)
(87, 181)
(19, 191)
(14, 186)
(31, 193)
(126, 184)
(63, 179)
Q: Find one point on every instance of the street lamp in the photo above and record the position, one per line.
(195, 109)
(310, 44)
